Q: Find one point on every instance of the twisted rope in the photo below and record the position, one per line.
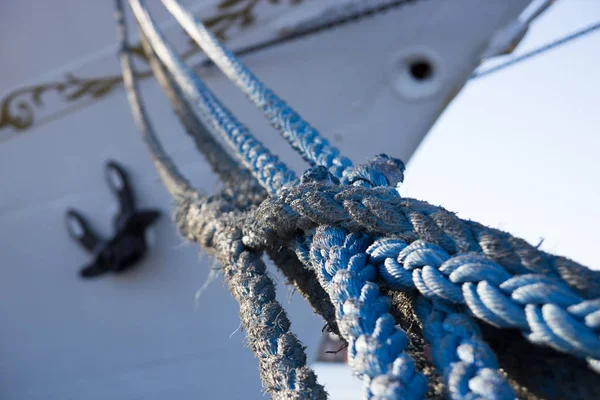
(282, 361)
(174, 181)
(545, 295)
(474, 377)
(241, 187)
(215, 224)
(152, 34)
(545, 309)
(313, 147)
(382, 211)
(469, 366)
(231, 173)
(376, 345)
(266, 167)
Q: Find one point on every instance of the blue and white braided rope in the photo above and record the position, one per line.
(544, 308)
(313, 147)
(469, 367)
(376, 344)
(265, 166)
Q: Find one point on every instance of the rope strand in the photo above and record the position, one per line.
(270, 172)
(305, 139)
(173, 180)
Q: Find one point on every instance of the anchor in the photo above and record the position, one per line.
(128, 245)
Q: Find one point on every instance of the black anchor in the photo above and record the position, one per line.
(128, 245)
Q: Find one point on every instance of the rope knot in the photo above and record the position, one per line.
(382, 170)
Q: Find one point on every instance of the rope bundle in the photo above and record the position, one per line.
(343, 231)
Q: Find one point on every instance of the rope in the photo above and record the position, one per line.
(536, 52)
(350, 226)
(175, 183)
(314, 148)
(270, 172)
(214, 224)
(356, 297)
(382, 211)
(549, 298)
(469, 366)
(219, 159)
(242, 189)
(376, 346)
(282, 360)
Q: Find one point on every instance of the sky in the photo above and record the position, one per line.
(518, 150)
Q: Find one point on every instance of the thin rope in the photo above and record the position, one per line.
(270, 172)
(244, 190)
(314, 148)
(173, 180)
(538, 51)
(218, 158)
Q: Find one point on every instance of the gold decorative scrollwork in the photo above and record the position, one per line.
(17, 108)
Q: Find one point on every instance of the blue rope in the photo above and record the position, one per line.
(305, 139)
(266, 167)
(468, 365)
(376, 344)
(544, 308)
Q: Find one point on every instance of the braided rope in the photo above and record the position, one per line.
(381, 210)
(376, 344)
(282, 361)
(546, 295)
(215, 225)
(469, 366)
(266, 167)
(313, 147)
(545, 309)
(554, 301)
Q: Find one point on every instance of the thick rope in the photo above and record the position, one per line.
(376, 345)
(152, 34)
(215, 225)
(469, 366)
(546, 310)
(382, 210)
(270, 172)
(314, 148)
(487, 383)
(515, 285)
(281, 357)
(359, 175)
